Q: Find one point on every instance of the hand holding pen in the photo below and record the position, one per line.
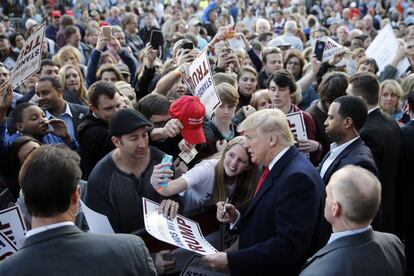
(226, 212)
(224, 208)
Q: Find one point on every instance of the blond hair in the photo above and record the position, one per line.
(268, 121)
(396, 89)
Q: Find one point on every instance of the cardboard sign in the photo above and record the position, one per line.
(201, 84)
(30, 57)
(297, 125)
(7, 247)
(12, 225)
(180, 231)
(331, 48)
(196, 267)
(97, 222)
(383, 50)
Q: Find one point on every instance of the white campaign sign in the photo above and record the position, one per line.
(201, 84)
(180, 231)
(28, 62)
(297, 125)
(383, 50)
(12, 225)
(331, 48)
(97, 222)
(7, 247)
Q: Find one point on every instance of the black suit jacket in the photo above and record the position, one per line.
(383, 136)
(78, 115)
(68, 251)
(283, 224)
(357, 153)
(407, 173)
(366, 253)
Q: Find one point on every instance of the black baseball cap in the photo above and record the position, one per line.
(126, 121)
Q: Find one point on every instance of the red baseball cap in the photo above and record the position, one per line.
(190, 112)
(55, 14)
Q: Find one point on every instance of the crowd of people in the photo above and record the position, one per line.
(110, 101)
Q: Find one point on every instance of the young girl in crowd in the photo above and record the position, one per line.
(230, 174)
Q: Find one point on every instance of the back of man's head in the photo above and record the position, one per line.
(354, 108)
(365, 85)
(358, 191)
(48, 178)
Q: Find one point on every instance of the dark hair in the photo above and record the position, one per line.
(66, 20)
(17, 114)
(50, 196)
(284, 78)
(14, 150)
(410, 101)
(263, 36)
(153, 104)
(256, 45)
(13, 37)
(47, 62)
(269, 51)
(69, 31)
(369, 61)
(366, 85)
(354, 108)
(332, 86)
(55, 83)
(101, 88)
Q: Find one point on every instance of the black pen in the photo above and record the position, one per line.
(224, 209)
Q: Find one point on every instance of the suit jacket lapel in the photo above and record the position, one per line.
(343, 154)
(275, 172)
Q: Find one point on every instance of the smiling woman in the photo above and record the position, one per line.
(72, 80)
(229, 174)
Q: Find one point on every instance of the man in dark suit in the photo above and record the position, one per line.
(283, 225)
(352, 200)
(346, 116)
(50, 93)
(55, 245)
(406, 181)
(383, 136)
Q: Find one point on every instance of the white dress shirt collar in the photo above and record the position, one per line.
(41, 229)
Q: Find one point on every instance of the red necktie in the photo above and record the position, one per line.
(262, 178)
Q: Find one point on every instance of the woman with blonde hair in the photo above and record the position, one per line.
(72, 82)
(390, 101)
(229, 174)
(69, 55)
(261, 99)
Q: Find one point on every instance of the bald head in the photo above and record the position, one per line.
(358, 192)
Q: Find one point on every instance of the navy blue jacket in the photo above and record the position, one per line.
(283, 225)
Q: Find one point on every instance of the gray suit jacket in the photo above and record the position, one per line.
(367, 253)
(68, 251)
